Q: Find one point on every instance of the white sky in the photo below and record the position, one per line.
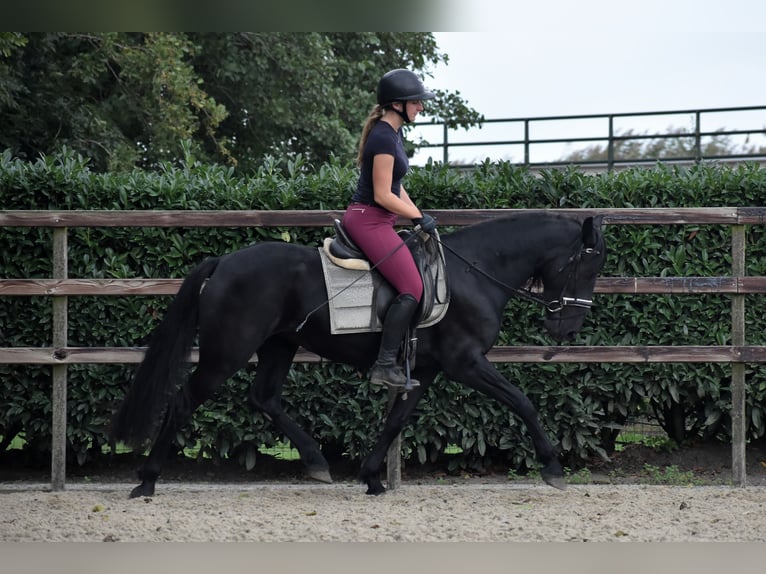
(572, 57)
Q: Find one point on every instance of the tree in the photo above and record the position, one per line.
(120, 99)
(138, 99)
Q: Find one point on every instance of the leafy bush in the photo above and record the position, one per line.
(582, 405)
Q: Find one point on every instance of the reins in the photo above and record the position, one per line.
(554, 305)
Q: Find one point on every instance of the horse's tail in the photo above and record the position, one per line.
(161, 373)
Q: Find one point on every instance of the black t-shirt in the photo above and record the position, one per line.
(382, 139)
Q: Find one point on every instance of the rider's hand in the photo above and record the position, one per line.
(426, 223)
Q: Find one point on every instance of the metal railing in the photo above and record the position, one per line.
(693, 139)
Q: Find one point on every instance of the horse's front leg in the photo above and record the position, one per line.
(397, 417)
(478, 373)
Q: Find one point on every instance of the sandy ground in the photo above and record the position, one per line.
(341, 512)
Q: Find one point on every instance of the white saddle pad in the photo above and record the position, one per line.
(352, 298)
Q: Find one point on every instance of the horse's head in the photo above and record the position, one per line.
(569, 279)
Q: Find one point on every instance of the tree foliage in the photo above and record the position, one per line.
(129, 100)
(676, 144)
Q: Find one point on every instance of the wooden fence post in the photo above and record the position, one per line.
(59, 407)
(738, 411)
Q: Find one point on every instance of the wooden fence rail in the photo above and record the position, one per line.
(60, 287)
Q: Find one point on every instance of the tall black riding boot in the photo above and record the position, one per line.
(386, 370)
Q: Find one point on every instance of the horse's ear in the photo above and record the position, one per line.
(590, 230)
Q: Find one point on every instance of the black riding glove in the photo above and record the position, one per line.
(426, 223)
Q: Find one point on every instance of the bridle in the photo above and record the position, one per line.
(554, 305)
(573, 264)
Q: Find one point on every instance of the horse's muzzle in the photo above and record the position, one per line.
(563, 324)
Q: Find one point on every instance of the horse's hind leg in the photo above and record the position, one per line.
(274, 360)
(200, 387)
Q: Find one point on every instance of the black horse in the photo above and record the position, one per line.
(254, 299)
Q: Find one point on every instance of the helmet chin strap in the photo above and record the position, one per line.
(402, 112)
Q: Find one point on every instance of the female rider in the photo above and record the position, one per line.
(379, 199)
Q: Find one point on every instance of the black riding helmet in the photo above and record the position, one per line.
(401, 85)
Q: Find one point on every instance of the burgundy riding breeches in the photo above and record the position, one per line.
(372, 229)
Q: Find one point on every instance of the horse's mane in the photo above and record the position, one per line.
(519, 225)
(522, 220)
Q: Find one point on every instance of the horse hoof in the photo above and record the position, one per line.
(558, 482)
(142, 490)
(320, 475)
(553, 474)
(375, 490)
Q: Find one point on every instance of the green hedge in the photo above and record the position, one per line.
(581, 404)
